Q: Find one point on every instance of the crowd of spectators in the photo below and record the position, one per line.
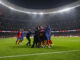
(15, 26)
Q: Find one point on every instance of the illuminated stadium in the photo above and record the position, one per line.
(63, 18)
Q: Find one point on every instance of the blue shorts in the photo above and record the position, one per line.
(21, 38)
(48, 37)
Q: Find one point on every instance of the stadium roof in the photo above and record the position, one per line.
(17, 8)
(41, 4)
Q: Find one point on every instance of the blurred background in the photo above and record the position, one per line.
(62, 24)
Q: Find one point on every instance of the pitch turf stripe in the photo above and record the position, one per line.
(39, 54)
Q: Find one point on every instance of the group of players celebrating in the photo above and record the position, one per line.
(42, 37)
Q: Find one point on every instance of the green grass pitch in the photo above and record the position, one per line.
(8, 48)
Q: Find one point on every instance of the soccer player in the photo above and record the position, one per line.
(36, 38)
(48, 35)
(28, 37)
(20, 36)
(42, 35)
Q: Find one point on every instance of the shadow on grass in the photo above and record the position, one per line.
(20, 46)
(53, 48)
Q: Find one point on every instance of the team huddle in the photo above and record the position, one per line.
(42, 37)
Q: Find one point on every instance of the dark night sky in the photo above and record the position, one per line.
(41, 4)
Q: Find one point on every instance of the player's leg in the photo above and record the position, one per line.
(36, 43)
(29, 41)
(50, 41)
(33, 42)
(17, 41)
(47, 38)
(21, 40)
(43, 43)
(39, 44)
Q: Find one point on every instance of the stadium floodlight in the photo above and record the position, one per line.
(11, 8)
(67, 9)
(35, 13)
(41, 13)
(64, 10)
(7, 5)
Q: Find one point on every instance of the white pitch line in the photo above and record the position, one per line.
(39, 54)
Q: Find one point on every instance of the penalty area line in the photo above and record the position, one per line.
(39, 54)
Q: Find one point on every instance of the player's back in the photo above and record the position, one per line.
(19, 34)
(42, 32)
